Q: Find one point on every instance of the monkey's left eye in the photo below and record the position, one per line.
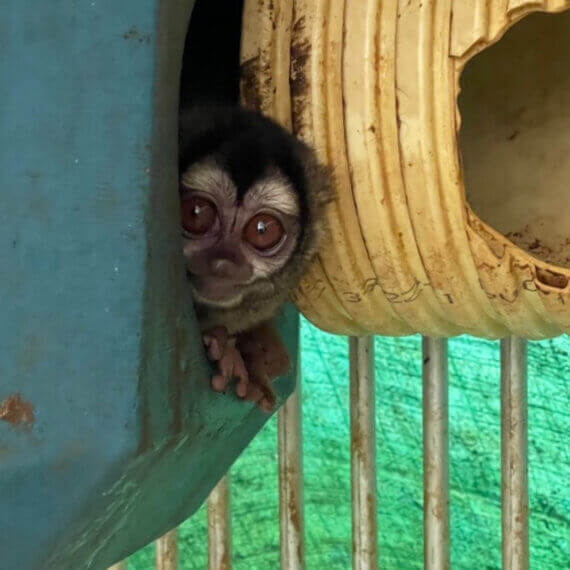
(263, 232)
(198, 215)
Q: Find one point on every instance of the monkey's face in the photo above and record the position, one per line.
(234, 242)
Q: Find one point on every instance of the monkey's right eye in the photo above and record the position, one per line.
(198, 215)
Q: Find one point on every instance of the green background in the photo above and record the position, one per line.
(474, 462)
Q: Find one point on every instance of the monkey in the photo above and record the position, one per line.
(252, 204)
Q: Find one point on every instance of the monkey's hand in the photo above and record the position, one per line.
(255, 358)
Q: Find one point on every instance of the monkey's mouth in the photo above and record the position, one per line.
(216, 294)
(227, 295)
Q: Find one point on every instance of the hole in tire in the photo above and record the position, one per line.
(515, 135)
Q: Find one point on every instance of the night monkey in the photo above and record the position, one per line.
(252, 210)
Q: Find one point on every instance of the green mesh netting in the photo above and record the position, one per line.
(474, 462)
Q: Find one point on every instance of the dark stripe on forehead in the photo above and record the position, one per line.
(251, 156)
(245, 160)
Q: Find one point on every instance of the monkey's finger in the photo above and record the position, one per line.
(215, 341)
(241, 373)
(242, 385)
(228, 365)
(253, 394)
(213, 348)
(219, 383)
(266, 404)
(243, 379)
(269, 398)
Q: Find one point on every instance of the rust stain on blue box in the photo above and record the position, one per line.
(98, 334)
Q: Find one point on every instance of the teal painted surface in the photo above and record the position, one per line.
(474, 462)
(97, 329)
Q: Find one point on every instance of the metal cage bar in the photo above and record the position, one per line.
(219, 527)
(514, 468)
(436, 454)
(514, 454)
(363, 454)
(166, 551)
(291, 521)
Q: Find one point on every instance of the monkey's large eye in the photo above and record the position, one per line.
(263, 231)
(198, 215)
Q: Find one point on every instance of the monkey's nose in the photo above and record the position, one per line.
(223, 268)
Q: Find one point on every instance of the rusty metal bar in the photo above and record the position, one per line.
(219, 527)
(436, 454)
(514, 449)
(363, 454)
(166, 551)
(291, 522)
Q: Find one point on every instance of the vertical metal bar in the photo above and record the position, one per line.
(514, 448)
(363, 454)
(166, 553)
(290, 441)
(119, 566)
(219, 527)
(436, 454)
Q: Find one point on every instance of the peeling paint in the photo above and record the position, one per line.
(17, 411)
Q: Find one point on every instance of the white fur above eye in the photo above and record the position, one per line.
(276, 192)
(207, 176)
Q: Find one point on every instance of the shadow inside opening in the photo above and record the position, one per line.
(515, 136)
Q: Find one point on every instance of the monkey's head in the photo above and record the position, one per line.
(236, 239)
(252, 197)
